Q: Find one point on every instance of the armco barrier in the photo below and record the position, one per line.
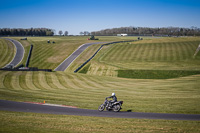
(29, 56)
(26, 69)
(97, 52)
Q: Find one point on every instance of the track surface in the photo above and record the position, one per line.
(19, 52)
(66, 63)
(37, 108)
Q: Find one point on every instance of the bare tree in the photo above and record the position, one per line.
(66, 33)
(86, 33)
(81, 33)
(60, 32)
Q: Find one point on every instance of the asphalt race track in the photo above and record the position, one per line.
(19, 52)
(66, 63)
(39, 108)
(63, 110)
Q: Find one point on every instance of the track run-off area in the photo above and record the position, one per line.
(63, 110)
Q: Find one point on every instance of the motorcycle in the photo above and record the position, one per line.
(116, 106)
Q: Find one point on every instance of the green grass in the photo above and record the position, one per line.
(155, 54)
(155, 74)
(85, 69)
(174, 95)
(49, 56)
(7, 52)
(15, 122)
(180, 95)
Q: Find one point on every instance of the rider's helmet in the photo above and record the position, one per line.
(113, 94)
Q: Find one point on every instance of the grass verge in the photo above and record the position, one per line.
(15, 122)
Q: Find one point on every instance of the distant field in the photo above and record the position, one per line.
(7, 52)
(49, 56)
(167, 54)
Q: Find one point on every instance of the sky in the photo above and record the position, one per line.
(75, 16)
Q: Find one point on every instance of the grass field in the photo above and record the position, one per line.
(49, 56)
(179, 95)
(164, 54)
(173, 95)
(14, 122)
(7, 52)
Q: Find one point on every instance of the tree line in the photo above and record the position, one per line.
(26, 32)
(146, 31)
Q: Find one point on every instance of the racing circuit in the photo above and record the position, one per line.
(63, 110)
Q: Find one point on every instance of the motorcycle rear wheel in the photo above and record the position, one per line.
(116, 108)
(101, 107)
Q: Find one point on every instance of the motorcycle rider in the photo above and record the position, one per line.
(114, 99)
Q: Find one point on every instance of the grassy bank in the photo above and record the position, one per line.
(15, 122)
(154, 56)
(150, 54)
(180, 95)
(7, 52)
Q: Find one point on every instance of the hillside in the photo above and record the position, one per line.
(163, 54)
(178, 94)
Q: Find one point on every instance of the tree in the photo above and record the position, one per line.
(86, 33)
(60, 32)
(66, 33)
(81, 33)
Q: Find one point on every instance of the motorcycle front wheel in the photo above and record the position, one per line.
(101, 107)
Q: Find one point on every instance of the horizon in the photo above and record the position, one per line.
(77, 16)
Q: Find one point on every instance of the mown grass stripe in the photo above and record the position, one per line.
(177, 51)
(69, 82)
(147, 52)
(172, 53)
(125, 52)
(22, 81)
(91, 83)
(80, 83)
(189, 48)
(36, 81)
(117, 52)
(62, 81)
(49, 80)
(29, 81)
(163, 53)
(2, 78)
(97, 81)
(42, 81)
(6, 52)
(139, 52)
(7, 81)
(15, 81)
(185, 50)
(86, 81)
(109, 52)
(134, 53)
(56, 82)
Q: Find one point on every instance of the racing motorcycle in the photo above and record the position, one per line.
(116, 106)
